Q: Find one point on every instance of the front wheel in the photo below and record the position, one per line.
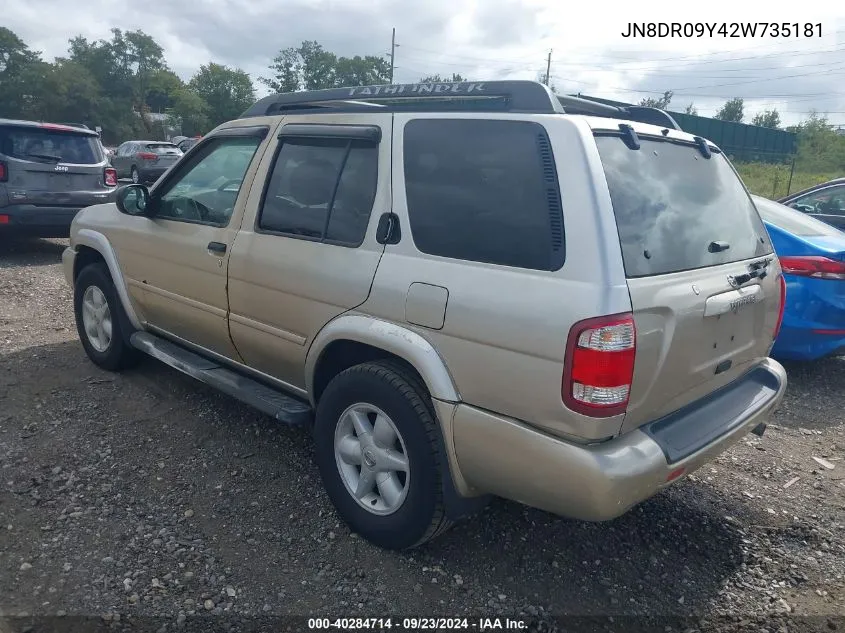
(377, 450)
(100, 320)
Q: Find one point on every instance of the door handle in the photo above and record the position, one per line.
(216, 247)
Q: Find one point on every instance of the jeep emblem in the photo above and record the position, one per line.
(61, 167)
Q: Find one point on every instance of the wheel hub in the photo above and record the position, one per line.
(96, 318)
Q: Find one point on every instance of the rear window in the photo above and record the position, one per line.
(676, 210)
(162, 148)
(49, 146)
(793, 221)
(484, 191)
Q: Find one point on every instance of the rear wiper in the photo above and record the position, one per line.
(50, 157)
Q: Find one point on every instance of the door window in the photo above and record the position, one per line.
(204, 191)
(829, 201)
(322, 189)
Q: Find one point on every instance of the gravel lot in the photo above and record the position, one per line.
(148, 502)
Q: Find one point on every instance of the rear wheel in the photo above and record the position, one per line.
(377, 450)
(136, 176)
(100, 319)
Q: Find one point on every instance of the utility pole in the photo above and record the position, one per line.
(392, 53)
(548, 67)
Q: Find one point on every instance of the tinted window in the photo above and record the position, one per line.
(793, 221)
(44, 145)
(671, 203)
(162, 148)
(206, 190)
(322, 189)
(484, 191)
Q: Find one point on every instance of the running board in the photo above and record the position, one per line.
(282, 407)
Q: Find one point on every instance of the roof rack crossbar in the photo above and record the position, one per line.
(517, 95)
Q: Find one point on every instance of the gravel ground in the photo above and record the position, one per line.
(146, 501)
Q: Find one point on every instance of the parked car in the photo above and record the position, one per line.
(825, 202)
(48, 172)
(812, 256)
(415, 287)
(144, 161)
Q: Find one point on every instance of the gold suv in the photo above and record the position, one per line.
(465, 290)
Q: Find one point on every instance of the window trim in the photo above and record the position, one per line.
(557, 259)
(330, 134)
(191, 162)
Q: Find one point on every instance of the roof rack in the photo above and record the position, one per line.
(509, 96)
(478, 96)
(641, 114)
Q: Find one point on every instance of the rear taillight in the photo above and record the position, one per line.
(110, 177)
(4, 172)
(813, 266)
(146, 156)
(781, 307)
(599, 365)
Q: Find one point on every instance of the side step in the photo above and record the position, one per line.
(282, 407)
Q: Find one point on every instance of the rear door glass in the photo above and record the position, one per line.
(677, 210)
(44, 145)
(162, 148)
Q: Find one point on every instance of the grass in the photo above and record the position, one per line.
(770, 181)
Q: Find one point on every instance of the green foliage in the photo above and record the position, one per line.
(437, 79)
(771, 181)
(226, 91)
(690, 109)
(115, 84)
(311, 67)
(731, 111)
(661, 102)
(767, 118)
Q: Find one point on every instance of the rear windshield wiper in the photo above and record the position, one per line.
(50, 157)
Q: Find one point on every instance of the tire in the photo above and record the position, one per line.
(135, 175)
(388, 389)
(109, 348)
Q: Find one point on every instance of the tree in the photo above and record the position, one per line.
(691, 109)
(767, 118)
(162, 88)
(437, 79)
(661, 102)
(20, 71)
(226, 91)
(311, 67)
(731, 111)
(189, 112)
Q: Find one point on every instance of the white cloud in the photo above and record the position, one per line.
(487, 39)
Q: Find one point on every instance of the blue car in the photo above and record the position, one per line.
(812, 256)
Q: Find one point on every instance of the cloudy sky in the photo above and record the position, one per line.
(493, 39)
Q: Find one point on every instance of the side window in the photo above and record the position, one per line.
(829, 201)
(484, 190)
(206, 188)
(321, 189)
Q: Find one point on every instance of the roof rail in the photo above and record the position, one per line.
(641, 114)
(508, 96)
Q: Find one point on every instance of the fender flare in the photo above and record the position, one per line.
(100, 243)
(392, 338)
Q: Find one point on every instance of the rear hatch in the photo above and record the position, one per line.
(160, 155)
(51, 165)
(693, 248)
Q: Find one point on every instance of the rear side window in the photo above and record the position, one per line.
(793, 221)
(322, 189)
(44, 145)
(485, 191)
(677, 210)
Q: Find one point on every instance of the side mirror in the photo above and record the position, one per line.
(134, 200)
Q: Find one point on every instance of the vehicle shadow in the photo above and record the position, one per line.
(30, 251)
(162, 442)
(812, 387)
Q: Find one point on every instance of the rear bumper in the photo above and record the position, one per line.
(599, 482)
(37, 220)
(151, 174)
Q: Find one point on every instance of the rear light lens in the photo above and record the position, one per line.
(781, 307)
(599, 366)
(813, 266)
(4, 172)
(110, 177)
(147, 156)
(4, 219)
